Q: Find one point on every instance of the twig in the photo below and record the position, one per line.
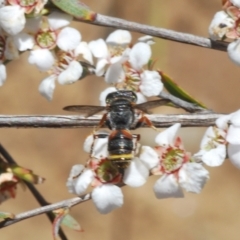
(35, 212)
(74, 121)
(171, 35)
(34, 191)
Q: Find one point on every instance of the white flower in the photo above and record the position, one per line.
(136, 78)
(173, 163)
(213, 147)
(225, 137)
(135, 175)
(220, 25)
(12, 19)
(105, 195)
(111, 52)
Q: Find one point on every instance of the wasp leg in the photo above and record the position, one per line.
(145, 120)
(101, 123)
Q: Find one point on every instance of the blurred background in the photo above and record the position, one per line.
(206, 74)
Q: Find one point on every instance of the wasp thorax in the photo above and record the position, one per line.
(128, 95)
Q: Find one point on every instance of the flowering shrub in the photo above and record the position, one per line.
(60, 51)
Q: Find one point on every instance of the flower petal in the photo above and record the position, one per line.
(151, 84)
(71, 181)
(12, 19)
(234, 154)
(24, 41)
(58, 20)
(42, 58)
(83, 181)
(71, 74)
(47, 87)
(68, 39)
(192, 177)
(136, 174)
(100, 67)
(84, 49)
(140, 55)
(167, 187)
(147, 39)
(119, 37)
(235, 118)
(3, 74)
(149, 157)
(100, 148)
(114, 73)
(99, 48)
(213, 157)
(233, 50)
(233, 135)
(107, 197)
(140, 98)
(167, 136)
(222, 122)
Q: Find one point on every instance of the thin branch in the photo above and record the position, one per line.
(171, 35)
(34, 191)
(74, 121)
(35, 212)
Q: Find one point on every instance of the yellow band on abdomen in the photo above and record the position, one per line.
(121, 156)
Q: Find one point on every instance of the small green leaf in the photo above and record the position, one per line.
(176, 91)
(70, 222)
(6, 215)
(76, 9)
(64, 218)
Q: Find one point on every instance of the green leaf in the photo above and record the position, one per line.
(6, 215)
(70, 222)
(65, 219)
(76, 9)
(176, 91)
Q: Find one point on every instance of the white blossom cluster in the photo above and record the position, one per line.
(222, 141)
(225, 26)
(57, 49)
(169, 160)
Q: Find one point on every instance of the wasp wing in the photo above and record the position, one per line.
(151, 104)
(87, 110)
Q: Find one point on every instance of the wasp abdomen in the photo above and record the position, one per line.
(120, 147)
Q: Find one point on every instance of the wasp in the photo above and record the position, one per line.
(121, 109)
